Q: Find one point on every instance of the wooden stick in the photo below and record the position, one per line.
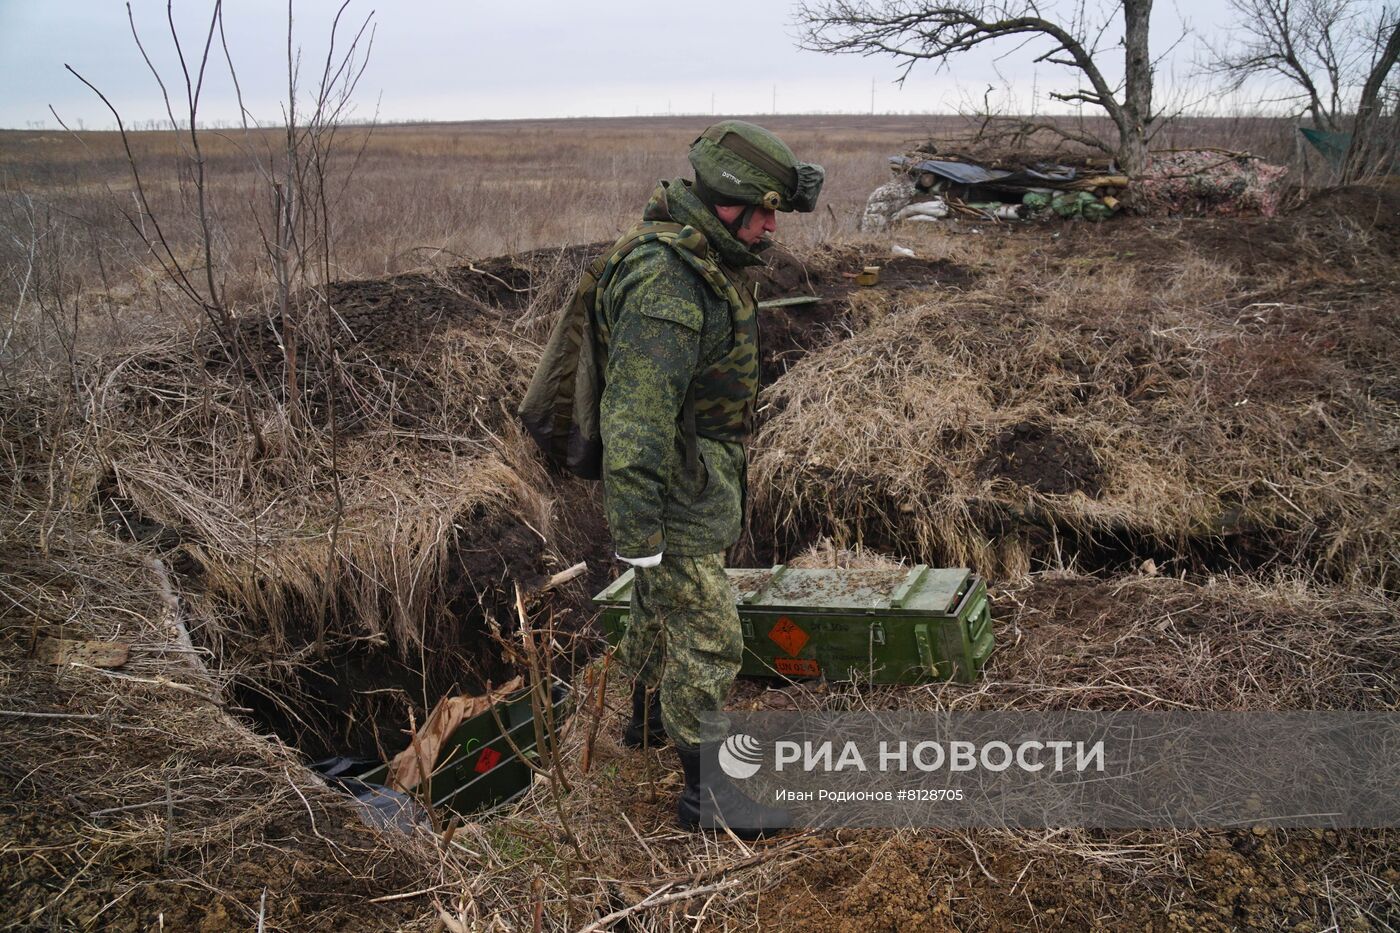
(600, 684)
(563, 576)
(386, 898)
(652, 900)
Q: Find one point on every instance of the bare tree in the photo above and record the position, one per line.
(1328, 58)
(919, 30)
(1368, 150)
(297, 175)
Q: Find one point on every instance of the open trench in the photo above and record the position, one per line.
(356, 697)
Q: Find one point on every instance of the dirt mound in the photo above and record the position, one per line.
(1372, 207)
(1322, 246)
(401, 310)
(788, 334)
(1105, 396)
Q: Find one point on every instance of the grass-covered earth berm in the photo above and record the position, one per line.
(1172, 446)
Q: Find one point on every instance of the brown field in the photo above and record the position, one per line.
(1173, 446)
(416, 195)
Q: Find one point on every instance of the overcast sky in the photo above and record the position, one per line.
(468, 59)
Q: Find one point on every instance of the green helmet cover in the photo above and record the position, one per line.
(741, 163)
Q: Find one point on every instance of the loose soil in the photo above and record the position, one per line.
(1035, 456)
(789, 334)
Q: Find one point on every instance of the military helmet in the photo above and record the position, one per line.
(741, 163)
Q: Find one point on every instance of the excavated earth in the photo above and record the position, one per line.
(155, 798)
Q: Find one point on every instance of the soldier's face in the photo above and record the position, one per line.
(762, 222)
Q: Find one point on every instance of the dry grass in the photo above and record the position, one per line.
(405, 196)
(134, 797)
(1195, 393)
(1067, 642)
(1212, 394)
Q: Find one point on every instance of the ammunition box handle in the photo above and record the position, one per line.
(971, 588)
(921, 638)
(902, 592)
(983, 641)
(752, 595)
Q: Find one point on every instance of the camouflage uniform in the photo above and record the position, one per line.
(684, 639)
(668, 333)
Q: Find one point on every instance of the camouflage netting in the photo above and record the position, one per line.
(1202, 182)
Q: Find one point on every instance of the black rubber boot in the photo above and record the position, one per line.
(645, 727)
(710, 800)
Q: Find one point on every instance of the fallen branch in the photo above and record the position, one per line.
(653, 900)
(385, 899)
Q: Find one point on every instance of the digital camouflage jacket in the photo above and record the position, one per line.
(666, 328)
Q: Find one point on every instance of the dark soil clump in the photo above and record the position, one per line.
(1044, 460)
(402, 310)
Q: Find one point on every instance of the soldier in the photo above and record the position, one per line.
(679, 324)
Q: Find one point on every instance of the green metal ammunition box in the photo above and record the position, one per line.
(478, 767)
(896, 626)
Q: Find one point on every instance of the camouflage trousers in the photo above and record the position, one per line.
(684, 639)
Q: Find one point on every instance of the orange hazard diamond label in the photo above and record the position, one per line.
(789, 635)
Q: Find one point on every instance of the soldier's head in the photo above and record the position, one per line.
(746, 175)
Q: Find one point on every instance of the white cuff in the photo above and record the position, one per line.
(651, 561)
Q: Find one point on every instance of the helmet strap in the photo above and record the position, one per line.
(742, 220)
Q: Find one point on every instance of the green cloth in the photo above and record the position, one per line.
(1333, 146)
(684, 638)
(1070, 203)
(1097, 210)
